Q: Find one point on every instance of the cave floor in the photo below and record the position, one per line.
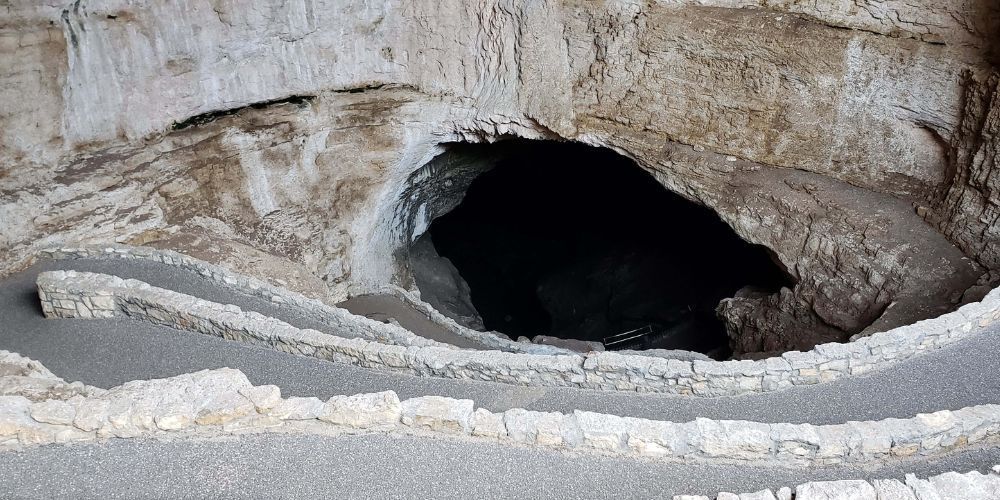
(384, 307)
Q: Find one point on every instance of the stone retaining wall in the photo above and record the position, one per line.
(223, 401)
(488, 339)
(948, 486)
(71, 294)
(330, 315)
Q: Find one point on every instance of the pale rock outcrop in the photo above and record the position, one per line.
(21, 376)
(281, 140)
(363, 410)
(836, 490)
(439, 414)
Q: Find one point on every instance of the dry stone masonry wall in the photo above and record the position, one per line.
(86, 295)
(223, 401)
(330, 315)
(213, 403)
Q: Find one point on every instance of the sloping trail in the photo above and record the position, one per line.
(378, 307)
(379, 466)
(106, 353)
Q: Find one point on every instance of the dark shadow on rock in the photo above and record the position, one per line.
(578, 242)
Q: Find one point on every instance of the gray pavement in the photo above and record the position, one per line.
(379, 466)
(108, 353)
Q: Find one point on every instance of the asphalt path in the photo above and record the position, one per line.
(106, 353)
(381, 466)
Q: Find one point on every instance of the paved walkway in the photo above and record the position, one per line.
(375, 466)
(106, 353)
(109, 352)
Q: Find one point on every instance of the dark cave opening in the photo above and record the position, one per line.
(577, 242)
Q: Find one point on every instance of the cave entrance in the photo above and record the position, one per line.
(576, 242)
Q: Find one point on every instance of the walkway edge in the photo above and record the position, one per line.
(370, 329)
(949, 485)
(70, 294)
(218, 402)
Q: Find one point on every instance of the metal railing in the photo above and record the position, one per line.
(636, 335)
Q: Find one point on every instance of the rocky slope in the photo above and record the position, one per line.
(858, 140)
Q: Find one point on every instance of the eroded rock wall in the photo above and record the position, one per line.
(970, 212)
(818, 131)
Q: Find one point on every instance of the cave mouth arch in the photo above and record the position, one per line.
(577, 242)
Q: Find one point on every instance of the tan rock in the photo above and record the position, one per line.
(438, 414)
(488, 424)
(53, 412)
(296, 408)
(264, 397)
(363, 410)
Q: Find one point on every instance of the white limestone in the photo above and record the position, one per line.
(297, 408)
(363, 411)
(836, 490)
(62, 291)
(439, 414)
(225, 401)
(488, 425)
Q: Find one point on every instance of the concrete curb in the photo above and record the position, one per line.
(223, 401)
(70, 294)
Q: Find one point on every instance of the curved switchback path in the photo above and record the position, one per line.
(380, 466)
(106, 353)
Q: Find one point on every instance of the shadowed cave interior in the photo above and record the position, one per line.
(577, 242)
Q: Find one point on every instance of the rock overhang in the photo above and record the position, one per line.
(817, 142)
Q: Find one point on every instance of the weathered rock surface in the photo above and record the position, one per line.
(837, 490)
(20, 376)
(71, 294)
(571, 344)
(441, 285)
(214, 403)
(950, 485)
(439, 414)
(666, 354)
(363, 410)
(281, 140)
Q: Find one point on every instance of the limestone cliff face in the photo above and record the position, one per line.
(855, 139)
(970, 212)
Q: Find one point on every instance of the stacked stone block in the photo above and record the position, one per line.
(88, 295)
(334, 316)
(218, 401)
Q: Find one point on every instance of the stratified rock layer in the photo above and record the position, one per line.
(283, 140)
